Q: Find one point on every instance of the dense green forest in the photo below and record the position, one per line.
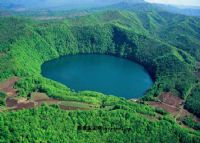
(127, 123)
(167, 45)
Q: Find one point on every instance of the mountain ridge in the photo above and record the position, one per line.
(48, 4)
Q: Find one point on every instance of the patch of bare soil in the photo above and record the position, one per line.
(170, 103)
(37, 96)
(17, 104)
(37, 99)
(7, 86)
(11, 102)
(170, 99)
(171, 109)
(41, 98)
(174, 105)
(27, 105)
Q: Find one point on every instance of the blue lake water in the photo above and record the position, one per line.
(102, 73)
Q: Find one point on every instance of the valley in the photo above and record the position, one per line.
(35, 108)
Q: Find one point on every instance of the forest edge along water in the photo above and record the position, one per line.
(102, 73)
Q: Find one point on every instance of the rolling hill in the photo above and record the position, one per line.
(166, 44)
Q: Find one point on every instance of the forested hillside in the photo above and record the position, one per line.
(167, 45)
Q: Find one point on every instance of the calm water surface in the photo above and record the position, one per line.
(101, 73)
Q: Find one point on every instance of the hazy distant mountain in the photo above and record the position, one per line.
(67, 4)
(186, 10)
(20, 5)
(190, 11)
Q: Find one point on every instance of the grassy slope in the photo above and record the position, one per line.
(27, 44)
